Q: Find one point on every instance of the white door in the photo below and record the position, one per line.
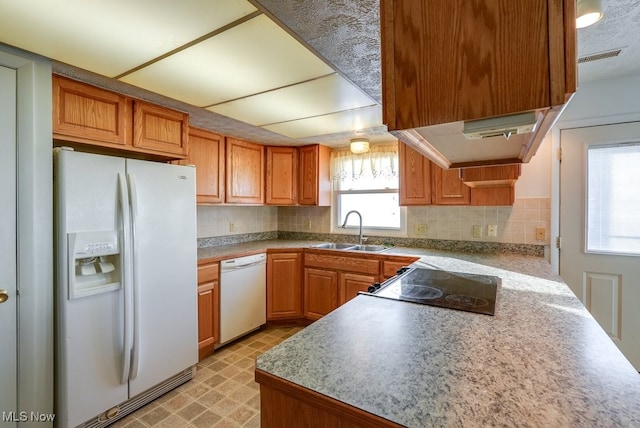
(8, 298)
(600, 227)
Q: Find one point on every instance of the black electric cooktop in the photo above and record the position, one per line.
(454, 290)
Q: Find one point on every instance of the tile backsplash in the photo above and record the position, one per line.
(225, 220)
(515, 224)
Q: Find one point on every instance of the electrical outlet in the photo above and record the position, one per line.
(232, 226)
(308, 224)
(492, 230)
(477, 231)
(541, 233)
(421, 229)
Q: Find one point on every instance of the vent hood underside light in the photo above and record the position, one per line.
(511, 139)
(504, 126)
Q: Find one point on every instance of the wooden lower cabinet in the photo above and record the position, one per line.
(321, 294)
(352, 283)
(284, 404)
(208, 308)
(284, 285)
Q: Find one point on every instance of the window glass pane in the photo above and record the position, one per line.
(379, 210)
(613, 205)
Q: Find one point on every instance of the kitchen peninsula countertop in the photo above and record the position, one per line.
(542, 360)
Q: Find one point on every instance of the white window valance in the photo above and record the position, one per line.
(379, 164)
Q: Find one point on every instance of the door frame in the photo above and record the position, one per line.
(34, 201)
(555, 171)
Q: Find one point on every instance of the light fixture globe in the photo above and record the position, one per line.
(589, 12)
(359, 145)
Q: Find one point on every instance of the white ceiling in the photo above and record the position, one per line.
(295, 71)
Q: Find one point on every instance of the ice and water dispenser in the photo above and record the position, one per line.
(94, 263)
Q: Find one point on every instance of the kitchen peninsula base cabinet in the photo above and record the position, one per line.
(284, 404)
(208, 308)
(284, 285)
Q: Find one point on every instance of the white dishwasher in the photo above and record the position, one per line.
(243, 296)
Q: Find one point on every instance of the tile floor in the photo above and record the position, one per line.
(222, 394)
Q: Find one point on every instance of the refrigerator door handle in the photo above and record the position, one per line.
(135, 354)
(123, 199)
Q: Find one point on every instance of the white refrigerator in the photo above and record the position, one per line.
(126, 284)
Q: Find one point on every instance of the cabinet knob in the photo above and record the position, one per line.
(4, 296)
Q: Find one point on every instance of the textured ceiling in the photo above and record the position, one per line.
(619, 29)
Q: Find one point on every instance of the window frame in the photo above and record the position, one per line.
(375, 231)
(588, 191)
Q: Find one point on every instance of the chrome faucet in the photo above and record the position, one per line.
(344, 225)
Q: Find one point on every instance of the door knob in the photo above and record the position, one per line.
(4, 296)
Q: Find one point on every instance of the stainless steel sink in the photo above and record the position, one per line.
(371, 248)
(335, 246)
(350, 247)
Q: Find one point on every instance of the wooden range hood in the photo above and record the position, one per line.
(448, 62)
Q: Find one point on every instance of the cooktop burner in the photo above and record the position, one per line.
(455, 290)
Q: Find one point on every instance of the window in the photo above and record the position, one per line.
(368, 183)
(613, 199)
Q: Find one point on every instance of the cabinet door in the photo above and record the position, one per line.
(206, 152)
(84, 113)
(424, 86)
(284, 285)
(415, 177)
(159, 129)
(351, 284)
(449, 189)
(314, 175)
(245, 172)
(208, 308)
(282, 176)
(320, 292)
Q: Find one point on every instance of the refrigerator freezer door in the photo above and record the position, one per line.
(163, 216)
(89, 329)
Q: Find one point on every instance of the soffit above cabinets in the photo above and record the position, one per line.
(227, 57)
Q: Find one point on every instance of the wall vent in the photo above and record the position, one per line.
(601, 55)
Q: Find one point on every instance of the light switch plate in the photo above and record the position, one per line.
(492, 230)
(477, 231)
(541, 234)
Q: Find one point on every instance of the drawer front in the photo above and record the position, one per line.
(342, 263)
(208, 273)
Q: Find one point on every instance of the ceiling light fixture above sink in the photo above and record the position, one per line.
(359, 145)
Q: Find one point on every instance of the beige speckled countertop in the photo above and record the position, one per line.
(541, 361)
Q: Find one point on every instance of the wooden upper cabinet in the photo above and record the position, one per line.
(159, 129)
(448, 187)
(92, 116)
(453, 60)
(415, 177)
(84, 113)
(245, 172)
(206, 152)
(314, 175)
(282, 176)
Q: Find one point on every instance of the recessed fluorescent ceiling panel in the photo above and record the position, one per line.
(327, 94)
(252, 57)
(347, 121)
(110, 37)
